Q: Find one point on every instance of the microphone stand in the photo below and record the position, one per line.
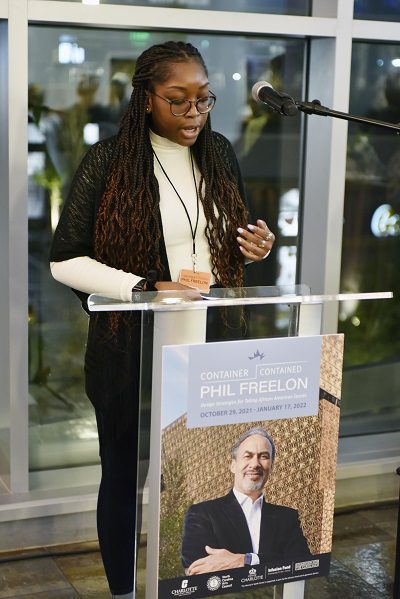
(315, 107)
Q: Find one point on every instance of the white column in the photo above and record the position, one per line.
(325, 170)
(14, 249)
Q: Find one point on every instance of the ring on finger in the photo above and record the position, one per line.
(261, 244)
(270, 236)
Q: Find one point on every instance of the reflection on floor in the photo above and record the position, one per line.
(362, 565)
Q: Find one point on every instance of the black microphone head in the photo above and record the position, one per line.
(256, 89)
(262, 91)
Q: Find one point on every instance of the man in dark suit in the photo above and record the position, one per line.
(241, 528)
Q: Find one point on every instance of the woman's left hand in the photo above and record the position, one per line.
(256, 242)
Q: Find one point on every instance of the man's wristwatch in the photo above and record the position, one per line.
(247, 559)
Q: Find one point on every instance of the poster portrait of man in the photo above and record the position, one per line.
(242, 528)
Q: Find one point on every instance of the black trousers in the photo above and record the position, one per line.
(112, 375)
(116, 509)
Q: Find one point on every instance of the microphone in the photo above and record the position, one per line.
(262, 91)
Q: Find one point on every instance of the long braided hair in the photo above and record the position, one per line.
(128, 227)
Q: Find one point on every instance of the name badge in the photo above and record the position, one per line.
(196, 280)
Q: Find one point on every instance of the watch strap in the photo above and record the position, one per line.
(139, 286)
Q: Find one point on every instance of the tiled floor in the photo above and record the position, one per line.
(362, 565)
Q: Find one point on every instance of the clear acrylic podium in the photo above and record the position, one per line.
(180, 318)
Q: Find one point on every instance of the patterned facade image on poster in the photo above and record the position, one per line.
(248, 504)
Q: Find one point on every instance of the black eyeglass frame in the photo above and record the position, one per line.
(195, 102)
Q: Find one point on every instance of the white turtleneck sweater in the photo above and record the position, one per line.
(90, 276)
(176, 162)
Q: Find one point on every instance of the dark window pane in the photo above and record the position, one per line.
(379, 10)
(371, 244)
(280, 7)
(79, 87)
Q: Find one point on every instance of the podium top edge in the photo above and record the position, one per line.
(164, 301)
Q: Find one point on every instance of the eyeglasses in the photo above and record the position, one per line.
(182, 107)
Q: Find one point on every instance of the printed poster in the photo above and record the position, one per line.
(249, 447)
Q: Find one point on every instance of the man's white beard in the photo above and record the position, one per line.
(253, 485)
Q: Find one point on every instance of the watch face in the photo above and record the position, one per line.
(247, 559)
